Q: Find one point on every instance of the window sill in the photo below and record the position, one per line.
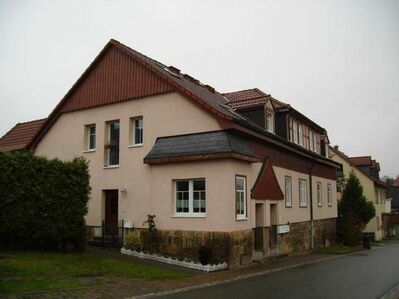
(288, 206)
(188, 216)
(111, 167)
(135, 145)
(303, 206)
(89, 151)
(241, 218)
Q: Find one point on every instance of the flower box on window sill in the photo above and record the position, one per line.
(110, 145)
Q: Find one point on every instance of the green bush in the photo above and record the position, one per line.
(42, 202)
(133, 241)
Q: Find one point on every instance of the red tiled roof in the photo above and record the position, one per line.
(250, 98)
(266, 185)
(360, 161)
(158, 79)
(20, 135)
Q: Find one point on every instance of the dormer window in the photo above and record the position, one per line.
(269, 122)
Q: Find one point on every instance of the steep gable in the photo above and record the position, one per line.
(115, 78)
(266, 185)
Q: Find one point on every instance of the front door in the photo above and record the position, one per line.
(273, 227)
(260, 223)
(111, 212)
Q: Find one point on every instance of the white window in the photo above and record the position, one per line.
(269, 122)
(329, 195)
(319, 195)
(295, 131)
(311, 141)
(300, 135)
(288, 191)
(190, 197)
(241, 197)
(112, 144)
(90, 137)
(136, 131)
(303, 193)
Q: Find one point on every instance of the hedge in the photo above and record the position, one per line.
(42, 202)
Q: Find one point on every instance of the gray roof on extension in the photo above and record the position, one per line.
(216, 142)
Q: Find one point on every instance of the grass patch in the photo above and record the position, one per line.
(25, 272)
(338, 249)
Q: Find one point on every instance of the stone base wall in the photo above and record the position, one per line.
(299, 238)
(235, 248)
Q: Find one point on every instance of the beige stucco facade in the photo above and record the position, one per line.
(370, 190)
(150, 189)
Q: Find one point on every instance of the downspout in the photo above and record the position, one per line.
(311, 207)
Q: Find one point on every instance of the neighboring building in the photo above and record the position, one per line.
(243, 173)
(20, 136)
(367, 171)
(393, 193)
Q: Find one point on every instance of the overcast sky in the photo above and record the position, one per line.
(335, 61)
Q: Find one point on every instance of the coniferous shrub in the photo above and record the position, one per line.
(42, 202)
(354, 212)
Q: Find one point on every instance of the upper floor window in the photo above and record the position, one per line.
(319, 195)
(303, 193)
(241, 197)
(269, 122)
(377, 199)
(90, 137)
(112, 144)
(295, 131)
(300, 134)
(136, 131)
(190, 197)
(311, 140)
(329, 195)
(288, 191)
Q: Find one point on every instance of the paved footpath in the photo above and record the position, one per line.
(364, 274)
(300, 276)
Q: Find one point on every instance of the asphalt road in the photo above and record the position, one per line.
(365, 274)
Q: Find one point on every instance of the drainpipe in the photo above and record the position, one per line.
(311, 207)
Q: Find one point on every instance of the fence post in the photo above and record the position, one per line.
(103, 232)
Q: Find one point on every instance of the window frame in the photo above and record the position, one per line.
(190, 212)
(305, 204)
(243, 216)
(288, 179)
(132, 131)
(269, 115)
(319, 194)
(88, 134)
(295, 132)
(108, 150)
(329, 194)
(300, 135)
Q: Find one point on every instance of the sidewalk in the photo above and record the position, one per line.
(195, 279)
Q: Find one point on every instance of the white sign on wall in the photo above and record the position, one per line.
(283, 229)
(127, 223)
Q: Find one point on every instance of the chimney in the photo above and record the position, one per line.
(336, 147)
(174, 69)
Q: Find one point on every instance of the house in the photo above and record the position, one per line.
(393, 193)
(367, 171)
(243, 173)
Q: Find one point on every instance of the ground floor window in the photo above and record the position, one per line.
(329, 195)
(241, 197)
(190, 197)
(303, 193)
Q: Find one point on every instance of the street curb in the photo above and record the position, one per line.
(393, 293)
(219, 282)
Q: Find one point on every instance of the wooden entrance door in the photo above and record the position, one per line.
(111, 212)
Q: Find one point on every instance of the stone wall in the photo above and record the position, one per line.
(299, 238)
(235, 248)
